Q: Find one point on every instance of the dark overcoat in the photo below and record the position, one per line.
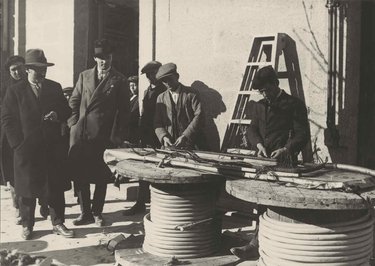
(281, 124)
(6, 156)
(100, 117)
(148, 135)
(39, 150)
(184, 118)
(134, 135)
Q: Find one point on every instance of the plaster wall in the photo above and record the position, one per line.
(210, 42)
(50, 26)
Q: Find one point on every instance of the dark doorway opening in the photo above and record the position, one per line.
(366, 141)
(115, 20)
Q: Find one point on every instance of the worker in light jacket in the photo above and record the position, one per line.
(178, 117)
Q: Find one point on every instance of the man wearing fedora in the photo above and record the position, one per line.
(178, 117)
(32, 113)
(148, 136)
(100, 117)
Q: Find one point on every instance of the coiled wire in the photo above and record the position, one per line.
(294, 244)
(172, 207)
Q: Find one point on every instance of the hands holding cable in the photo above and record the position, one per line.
(180, 142)
(262, 152)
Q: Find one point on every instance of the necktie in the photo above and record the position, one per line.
(37, 90)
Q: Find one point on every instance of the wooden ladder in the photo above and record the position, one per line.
(265, 51)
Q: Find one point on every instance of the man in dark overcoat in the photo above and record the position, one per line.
(152, 92)
(100, 116)
(178, 117)
(279, 129)
(148, 136)
(16, 69)
(32, 112)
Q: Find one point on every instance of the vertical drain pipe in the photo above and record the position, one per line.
(331, 135)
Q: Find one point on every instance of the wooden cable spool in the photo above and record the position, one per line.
(336, 244)
(172, 207)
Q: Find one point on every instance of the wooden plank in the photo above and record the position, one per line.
(273, 194)
(132, 257)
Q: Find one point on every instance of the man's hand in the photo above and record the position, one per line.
(51, 116)
(278, 152)
(180, 141)
(261, 150)
(167, 142)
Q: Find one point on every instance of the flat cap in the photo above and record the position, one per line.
(166, 70)
(133, 79)
(150, 66)
(13, 60)
(263, 76)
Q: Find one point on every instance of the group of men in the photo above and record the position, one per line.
(102, 113)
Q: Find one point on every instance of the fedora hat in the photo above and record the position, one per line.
(102, 48)
(35, 57)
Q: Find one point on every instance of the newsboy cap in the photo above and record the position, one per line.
(133, 79)
(150, 66)
(263, 76)
(166, 70)
(36, 57)
(13, 60)
(102, 48)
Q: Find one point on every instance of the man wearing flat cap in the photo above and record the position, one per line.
(32, 113)
(100, 116)
(178, 117)
(279, 129)
(147, 133)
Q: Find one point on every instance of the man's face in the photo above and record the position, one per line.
(17, 71)
(171, 82)
(151, 77)
(103, 62)
(269, 91)
(36, 74)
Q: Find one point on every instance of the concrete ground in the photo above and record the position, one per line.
(89, 245)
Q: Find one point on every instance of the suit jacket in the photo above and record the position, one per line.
(189, 116)
(282, 124)
(100, 116)
(147, 119)
(39, 151)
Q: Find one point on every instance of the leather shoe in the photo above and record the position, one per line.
(26, 233)
(99, 221)
(44, 211)
(61, 229)
(84, 219)
(135, 209)
(246, 252)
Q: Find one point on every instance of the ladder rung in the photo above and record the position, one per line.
(247, 92)
(261, 64)
(241, 121)
(284, 74)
